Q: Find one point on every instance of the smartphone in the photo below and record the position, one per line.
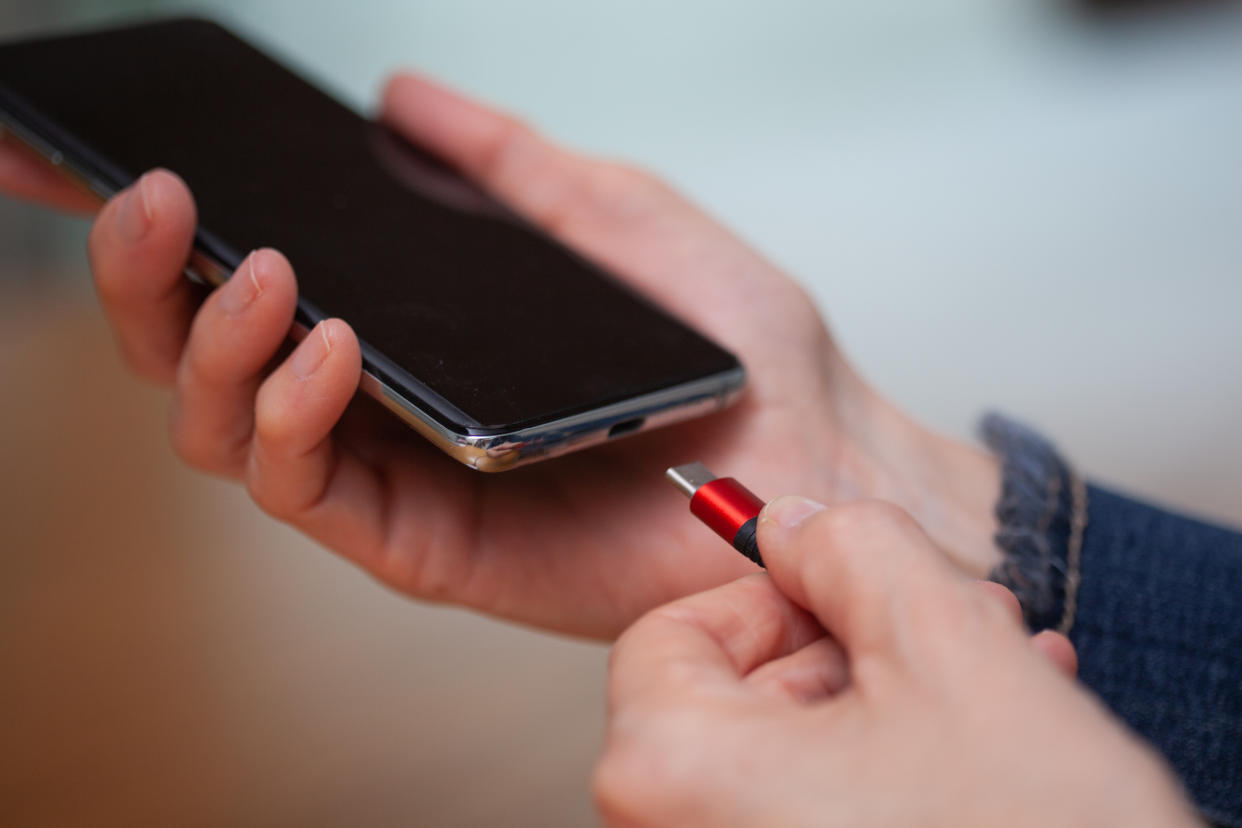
(487, 336)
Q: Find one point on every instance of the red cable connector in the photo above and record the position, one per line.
(725, 505)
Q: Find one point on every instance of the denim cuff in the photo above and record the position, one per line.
(1041, 518)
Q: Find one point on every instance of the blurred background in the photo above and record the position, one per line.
(1027, 205)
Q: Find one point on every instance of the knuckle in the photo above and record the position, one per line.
(203, 364)
(613, 784)
(860, 518)
(412, 566)
(266, 496)
(622, 186)
(639, 775)
(281, 479)
(273, 428)
(654, 762)
(199, 448)
(195, 367)
(153, 372)
(512, 137)
(620, 649)
(629, 174)
(958, 623)
(1000, 596)
(616, 653)
(185, 441)
(992, 609)
(147, 366)
(672, 619)
(270, 437)
(883, 513)
(198, 453)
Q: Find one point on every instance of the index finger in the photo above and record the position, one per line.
(714, 638)
(138, 248)
(26, 175)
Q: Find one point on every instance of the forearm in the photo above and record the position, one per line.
(1151, 600)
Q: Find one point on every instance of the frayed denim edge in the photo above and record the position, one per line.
(1040, 522)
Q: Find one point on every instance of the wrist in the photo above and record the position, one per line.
(949, 487)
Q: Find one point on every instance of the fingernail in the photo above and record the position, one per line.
(308, 356)
(243, 288)
(790, 510)
(135, 212)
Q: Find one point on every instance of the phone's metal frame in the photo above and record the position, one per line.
(490, 452)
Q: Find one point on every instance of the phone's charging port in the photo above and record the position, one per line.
(625, 427)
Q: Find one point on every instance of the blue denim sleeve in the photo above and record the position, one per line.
(1151, 600)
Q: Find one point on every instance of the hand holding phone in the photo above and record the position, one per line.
(583, 545)
(477, 329)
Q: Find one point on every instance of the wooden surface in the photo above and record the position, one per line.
(169, 656)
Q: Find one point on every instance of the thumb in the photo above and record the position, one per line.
(865, 569)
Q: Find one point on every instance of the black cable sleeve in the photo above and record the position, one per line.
(747, 542)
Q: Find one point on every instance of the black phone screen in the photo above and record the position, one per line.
(487, 322)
